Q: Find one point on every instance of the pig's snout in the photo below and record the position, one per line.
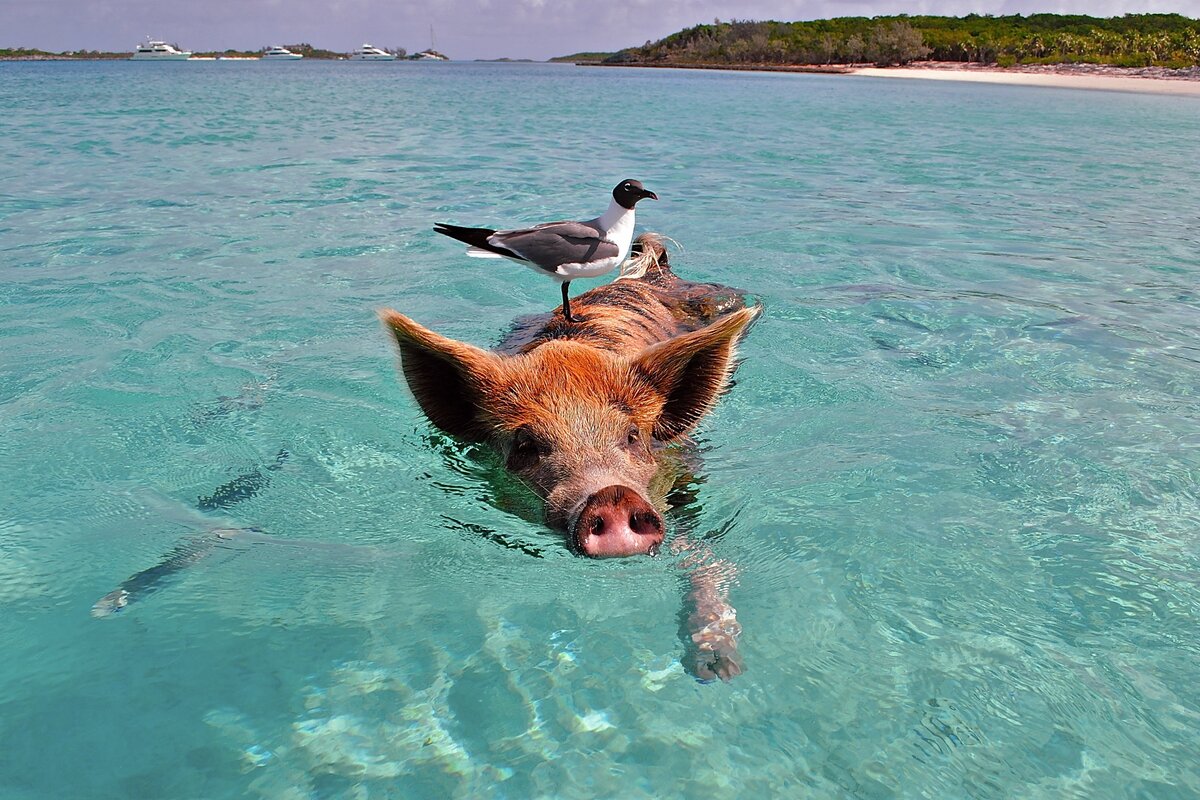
(617, 521)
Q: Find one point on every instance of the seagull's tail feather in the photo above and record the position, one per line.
(479, 252)
(477, 238)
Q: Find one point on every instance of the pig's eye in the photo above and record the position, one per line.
(633, 438)
(525, 451)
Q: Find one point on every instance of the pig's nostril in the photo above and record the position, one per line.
(645, 523)
(597, 525)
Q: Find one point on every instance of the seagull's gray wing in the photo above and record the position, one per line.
(555, 243)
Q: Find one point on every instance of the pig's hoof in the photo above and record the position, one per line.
(722, 662)
(110, 604)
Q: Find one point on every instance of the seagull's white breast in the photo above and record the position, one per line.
(616, 226)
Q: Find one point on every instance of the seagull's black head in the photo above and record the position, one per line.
(629, 191)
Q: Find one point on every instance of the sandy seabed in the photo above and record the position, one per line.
(1062, 80)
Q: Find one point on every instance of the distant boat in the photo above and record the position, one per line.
(369, 53)
(159, 51)
(432, 53)
(279, 53)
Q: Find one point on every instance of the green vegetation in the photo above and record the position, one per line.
(34, 54)
(22, 52)
(308, 51)
(225, 53)
(1134, 40)
(583, 57)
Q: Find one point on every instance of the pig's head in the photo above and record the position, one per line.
(582, 427)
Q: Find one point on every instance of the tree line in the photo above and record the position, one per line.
(1134, 40)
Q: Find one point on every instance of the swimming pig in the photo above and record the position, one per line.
(584, 412)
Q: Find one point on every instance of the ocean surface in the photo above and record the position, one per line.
(958, 473)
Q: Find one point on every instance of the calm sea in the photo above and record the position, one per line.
(958, 473)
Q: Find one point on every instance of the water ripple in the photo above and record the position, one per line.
(955, 483)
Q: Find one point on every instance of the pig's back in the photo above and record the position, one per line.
(630, 313)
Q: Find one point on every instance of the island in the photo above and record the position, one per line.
(1170, 41)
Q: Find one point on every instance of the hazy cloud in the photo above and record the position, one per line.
(463, 29)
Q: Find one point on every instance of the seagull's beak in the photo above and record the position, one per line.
(650, 194)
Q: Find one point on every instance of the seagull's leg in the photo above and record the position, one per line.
(567, 303)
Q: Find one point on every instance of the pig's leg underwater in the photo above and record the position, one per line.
(188, 552)
(198, 546)
(243, 487)
(709, 623)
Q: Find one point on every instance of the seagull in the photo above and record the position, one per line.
(563, 251)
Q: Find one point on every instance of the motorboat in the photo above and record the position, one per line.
(280, 53)
(158, 51)
(369, 53)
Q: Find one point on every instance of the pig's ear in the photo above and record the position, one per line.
(690, 372)
(447, 378)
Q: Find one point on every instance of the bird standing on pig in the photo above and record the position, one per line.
(583, 411)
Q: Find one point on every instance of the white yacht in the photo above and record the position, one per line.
(159, 51)
(369, 53)
(280, 53)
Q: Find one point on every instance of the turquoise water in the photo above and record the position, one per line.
(958, 473)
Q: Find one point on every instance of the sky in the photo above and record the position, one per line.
(463, 29)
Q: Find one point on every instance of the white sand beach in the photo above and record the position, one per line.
(1108, 83)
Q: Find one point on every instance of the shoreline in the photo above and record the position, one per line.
(1144, 80)
(818, 69)
(1152, 80)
